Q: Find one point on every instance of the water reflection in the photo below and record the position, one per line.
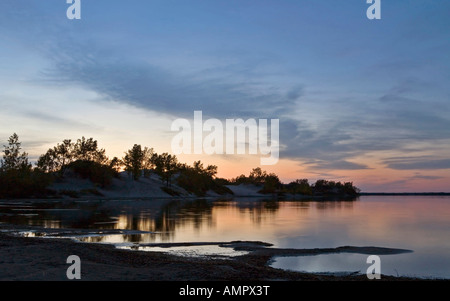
(418, 223)
(169, 220)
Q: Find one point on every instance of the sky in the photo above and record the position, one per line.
(358, 100)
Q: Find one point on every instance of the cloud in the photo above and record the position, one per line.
(245, 82)
(53, 119)
(410, 109)
(339, 165)
(352, 129)
(295, 93)
(425, 177)
(407, 85)
(411, 163)
(151, 87)
(331, 146)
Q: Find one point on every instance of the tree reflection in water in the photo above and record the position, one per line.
(163, 218)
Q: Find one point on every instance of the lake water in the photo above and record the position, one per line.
(417, 223)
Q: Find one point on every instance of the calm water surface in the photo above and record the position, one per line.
(417, 223)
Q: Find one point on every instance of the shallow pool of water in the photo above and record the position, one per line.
(191, 251)
(393, 265)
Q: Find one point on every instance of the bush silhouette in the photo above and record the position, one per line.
(98, 173)
(17, 178)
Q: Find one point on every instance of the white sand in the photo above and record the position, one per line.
(126, 187)
(243, 190)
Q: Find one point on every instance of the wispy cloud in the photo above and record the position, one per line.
(339, 94)
(152, 87)
(421, 162)
(426, 177)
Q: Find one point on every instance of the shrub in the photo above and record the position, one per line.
(324, 187)
(300, 186)
(199, 180)
(98, 173)
(23, 184)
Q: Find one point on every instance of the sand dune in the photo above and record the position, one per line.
(126, 187)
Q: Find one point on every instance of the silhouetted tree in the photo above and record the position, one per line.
(324, 187)
(133, 161)
(271, 183)
(198, 179)
(242, 179)
(115, 164)
(87, 150)
(257, 176)
(12, 158)
(57, 158)
(166, 165)
(17, 179)
(60, 156)
(147, 163)
(210, 170)
(299, 186)
(98, 173)
(47, 162)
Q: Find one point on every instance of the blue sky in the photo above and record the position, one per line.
(359, 100)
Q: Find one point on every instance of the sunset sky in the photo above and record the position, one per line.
(358, 100)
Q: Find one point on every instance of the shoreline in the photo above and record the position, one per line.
(44, 259)
(225, 196)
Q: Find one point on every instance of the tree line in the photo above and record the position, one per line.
(83, 157)
(270, 183)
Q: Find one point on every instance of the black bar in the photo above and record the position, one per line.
(214, 290)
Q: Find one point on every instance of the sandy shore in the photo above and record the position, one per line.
(125, 187)
(44, 259)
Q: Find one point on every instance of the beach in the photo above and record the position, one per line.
(44, 259)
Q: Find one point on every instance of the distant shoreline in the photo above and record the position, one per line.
(236, 196)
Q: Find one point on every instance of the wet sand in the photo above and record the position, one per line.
(44, 259)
